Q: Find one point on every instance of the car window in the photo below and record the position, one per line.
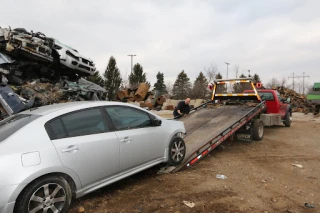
(268, 96)
(56, 130)
(14, 123)
(80, 123)
(128, 118)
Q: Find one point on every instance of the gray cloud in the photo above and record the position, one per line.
(271, 38)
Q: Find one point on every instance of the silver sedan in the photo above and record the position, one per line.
(52, 154)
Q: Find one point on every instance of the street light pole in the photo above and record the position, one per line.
(227, 68)
(131, 55)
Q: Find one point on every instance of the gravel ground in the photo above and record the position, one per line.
(278, 174)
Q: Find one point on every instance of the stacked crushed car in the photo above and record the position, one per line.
(37, 70)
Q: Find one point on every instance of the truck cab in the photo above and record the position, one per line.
(278, 109)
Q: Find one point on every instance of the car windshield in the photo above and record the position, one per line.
(61, 44)
(14, 123)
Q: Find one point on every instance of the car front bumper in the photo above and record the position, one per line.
(5, 194)
(8, 208)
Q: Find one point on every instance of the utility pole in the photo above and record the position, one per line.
(227, 68)
(249, 73)
(131, 55)
(303, 76)
(293, 77)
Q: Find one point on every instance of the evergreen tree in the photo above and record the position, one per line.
(159, 85)
(199, 89)
(96, 78)
(218, 76)
(221, 88)
(256, 78)
(241, 87)
(137, 76)
(182, 86)
(112, 78)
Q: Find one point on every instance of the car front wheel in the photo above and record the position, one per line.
(177, 151)
(48, 194)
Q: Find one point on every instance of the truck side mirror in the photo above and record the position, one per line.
(283, 100)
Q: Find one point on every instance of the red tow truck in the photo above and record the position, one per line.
(278, 109)
(242, 111)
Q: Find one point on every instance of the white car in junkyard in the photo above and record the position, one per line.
(71, 59)
(51, 154)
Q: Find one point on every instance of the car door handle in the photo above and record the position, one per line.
(126, 140)
(71, 149)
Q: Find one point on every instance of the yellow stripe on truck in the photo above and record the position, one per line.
(244, 94)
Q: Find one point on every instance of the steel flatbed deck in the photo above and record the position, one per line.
(208, 127)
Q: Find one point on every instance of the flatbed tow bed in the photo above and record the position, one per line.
(206, 128)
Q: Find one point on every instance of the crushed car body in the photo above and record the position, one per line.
(37, 70)
(38, 47)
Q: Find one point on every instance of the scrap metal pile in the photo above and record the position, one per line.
(37, 70)
(299, 103)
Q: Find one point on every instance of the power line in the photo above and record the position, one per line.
(293, 77)
(303, 76)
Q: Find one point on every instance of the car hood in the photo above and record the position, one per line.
(171, 124)
(67, 48)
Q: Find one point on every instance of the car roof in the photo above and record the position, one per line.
(44, 110)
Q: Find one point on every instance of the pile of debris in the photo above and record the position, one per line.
(14, 99)
(142, 96)
(36, 70)
(298, 102)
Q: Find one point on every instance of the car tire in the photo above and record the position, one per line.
(257, 129)
(177, 151)
(50, 192)
(287, 121)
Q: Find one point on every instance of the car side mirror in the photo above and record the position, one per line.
(157, 122)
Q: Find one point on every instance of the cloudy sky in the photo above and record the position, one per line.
(273, 38)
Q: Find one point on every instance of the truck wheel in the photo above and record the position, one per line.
(257, 129)
(177, 151)
(287, 121)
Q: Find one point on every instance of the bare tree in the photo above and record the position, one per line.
(283, 82)
(211, 72)
(310, 89)
(125, 81)
(273, 83)
(169, 87)
(307, 87)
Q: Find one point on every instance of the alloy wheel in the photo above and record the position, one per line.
(177, 150)
(49, 198)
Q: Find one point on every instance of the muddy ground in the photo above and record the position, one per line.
(261, 177)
